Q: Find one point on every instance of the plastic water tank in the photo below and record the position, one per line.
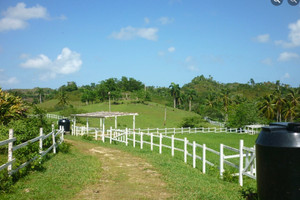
(65, 123)
(278, 162)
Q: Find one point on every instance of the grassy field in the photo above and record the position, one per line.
(64, 175)
(151, 115)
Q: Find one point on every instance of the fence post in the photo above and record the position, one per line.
(110, 135)
(53, 139)
(215, 129)
(10, 149)
(151, 141)
(185, 150)
(241, 162)
(221, 159)
(172, 146)
(194, 154)
(62, 134)
(126, 136)
(160, 143)
(96, 134)
(41, 141)
(141, 140)
(204, 159)
(133, 138)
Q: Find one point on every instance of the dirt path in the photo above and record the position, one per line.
(123, 177)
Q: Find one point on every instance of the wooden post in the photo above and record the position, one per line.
(160, 143)
(53, 139)
(194, 154)
(116, 122)
(133, 138)
(151, 141)
(74, 123)
(221, 159)
(126, 136)
(110, 135)
(172, 146)
(87, 126)
(10, 149)
(133, 125)
(185, 149)
(103, 130)
(241, 162)
(41, 141)
(62, 134)
(204, 159)
(141, 140)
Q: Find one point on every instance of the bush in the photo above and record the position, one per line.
(64, 147)
(87, 137)
(249, 193)
(192, 122)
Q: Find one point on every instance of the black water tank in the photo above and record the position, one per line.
(65, 123)
(278, 162)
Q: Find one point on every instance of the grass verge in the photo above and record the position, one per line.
(64, 175)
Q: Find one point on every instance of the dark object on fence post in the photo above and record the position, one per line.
(278, 161)
(65, 123)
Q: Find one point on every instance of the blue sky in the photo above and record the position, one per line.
(47, 43)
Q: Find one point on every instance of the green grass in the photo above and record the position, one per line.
(185, 181)
(64, 175)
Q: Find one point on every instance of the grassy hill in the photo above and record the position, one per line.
(151, 115)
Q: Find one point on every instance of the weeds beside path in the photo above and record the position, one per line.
(123, 176)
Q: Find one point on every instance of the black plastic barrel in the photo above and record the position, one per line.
(278, 162)
(65, 123)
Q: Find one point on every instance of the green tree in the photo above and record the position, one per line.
(40, 92)
(62, 98)
(226, 101)
(279, 103)
(175, 92)
(266, 107)
(190, 96)
(11, 107)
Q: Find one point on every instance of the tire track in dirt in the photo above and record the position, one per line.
(123, 177)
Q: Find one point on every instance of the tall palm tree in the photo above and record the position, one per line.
(40, 92)
(175, 92)
(190, 96)
(289, 111)
(279, 103)
(293, 97)
(210, 100)
(62, 98)
(266, 106)
(226, 101)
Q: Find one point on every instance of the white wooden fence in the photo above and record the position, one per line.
(242, 159)
(11, 148)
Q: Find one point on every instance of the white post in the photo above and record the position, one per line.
(221, 159)
(133, 138)
(141, 140)
(74, 123)
(172, 146)
(195, 130)
(103, 129)
(165, 131)
(96, 134)
(53, 139)
(151, 141)
(194, 154)
(241, 162)
(87, 126)
(62, 134)
(126, 136)
(160, 143)
(10, 149)
(215, 129)
(41, 141)
(204, 159)
(110, 135)
(116, 122)
(133, 125)
(185, 149)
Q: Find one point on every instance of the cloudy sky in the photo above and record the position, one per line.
(47, 43)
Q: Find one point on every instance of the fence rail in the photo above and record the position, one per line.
(41, 138)
(241, 159)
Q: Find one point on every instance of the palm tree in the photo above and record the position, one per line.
(279, 102)
(40, 92)
(266, 106)
(175, 92)
(190, 96)
(226, 101)
(62, 98)
(210, 100)
(289, 111)
(293, 97)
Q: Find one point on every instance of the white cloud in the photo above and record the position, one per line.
(66, 63)
(9, 81)
(287, 56)
(171, 49)
(286, 76)
(146, 20)
(267, 61)
(294, 36)
(16, 17)
(193, 68)
(262, 38)
(129, 33)
(165, 20)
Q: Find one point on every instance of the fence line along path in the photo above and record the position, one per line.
(57, 138)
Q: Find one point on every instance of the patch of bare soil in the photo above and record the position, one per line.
(123, 176)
